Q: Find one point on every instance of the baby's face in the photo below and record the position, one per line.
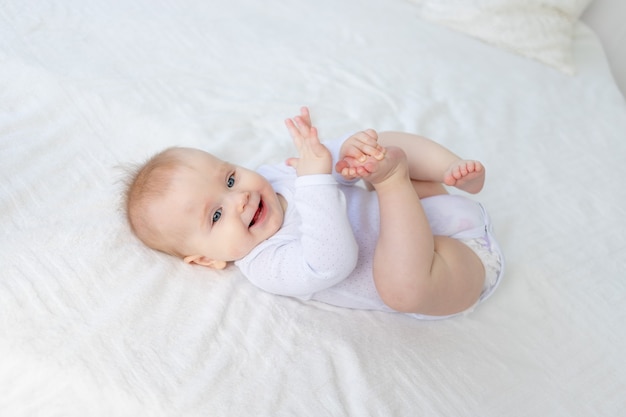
(219, 211)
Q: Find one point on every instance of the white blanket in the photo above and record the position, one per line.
(92, 323)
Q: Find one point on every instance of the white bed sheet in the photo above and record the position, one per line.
(92, 323)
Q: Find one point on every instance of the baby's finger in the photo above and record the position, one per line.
(340, 166)
(291, 127)
(292, 162)
(361, 151)
(345, 167)
(313, 144)
(372, 133)
(377, 151)
(305, 115)
(369, 137)
(355, 153)
(294, 132)
(348, 173)
(367, 142)
(303, 126)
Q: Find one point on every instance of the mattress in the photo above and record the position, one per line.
(93, 323)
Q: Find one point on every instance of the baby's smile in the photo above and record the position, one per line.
(257, 215)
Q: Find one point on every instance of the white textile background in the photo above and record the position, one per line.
(92, 323)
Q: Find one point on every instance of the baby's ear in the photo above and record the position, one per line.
(204, 261)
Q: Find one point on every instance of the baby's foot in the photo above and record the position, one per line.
(393, 166)
(465, 175)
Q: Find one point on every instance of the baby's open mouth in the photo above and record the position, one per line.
(257, 214)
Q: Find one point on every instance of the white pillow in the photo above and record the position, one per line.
(538, 29)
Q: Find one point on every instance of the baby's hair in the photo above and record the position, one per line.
(145, 184)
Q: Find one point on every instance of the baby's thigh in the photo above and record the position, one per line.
(460, 271)
(452, 283)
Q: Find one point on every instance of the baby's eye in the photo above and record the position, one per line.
(217, 215)
(231, 181)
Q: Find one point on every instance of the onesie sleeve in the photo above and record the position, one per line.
(319, 254)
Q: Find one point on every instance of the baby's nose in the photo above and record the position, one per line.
(242, 201)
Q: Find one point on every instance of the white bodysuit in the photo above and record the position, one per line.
(325, 248)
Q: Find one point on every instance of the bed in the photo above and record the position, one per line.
(92, 323)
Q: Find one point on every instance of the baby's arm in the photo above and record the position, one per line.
(317, 248)
(324, 252)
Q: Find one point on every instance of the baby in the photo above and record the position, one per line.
(401, 243)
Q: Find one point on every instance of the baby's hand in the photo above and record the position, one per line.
(359, 155)
(314, 158)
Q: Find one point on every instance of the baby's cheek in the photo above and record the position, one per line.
(241, 250)
(276, 224)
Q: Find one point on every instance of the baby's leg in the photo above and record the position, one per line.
(414, 271)
(431, 162)
(426, 189)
